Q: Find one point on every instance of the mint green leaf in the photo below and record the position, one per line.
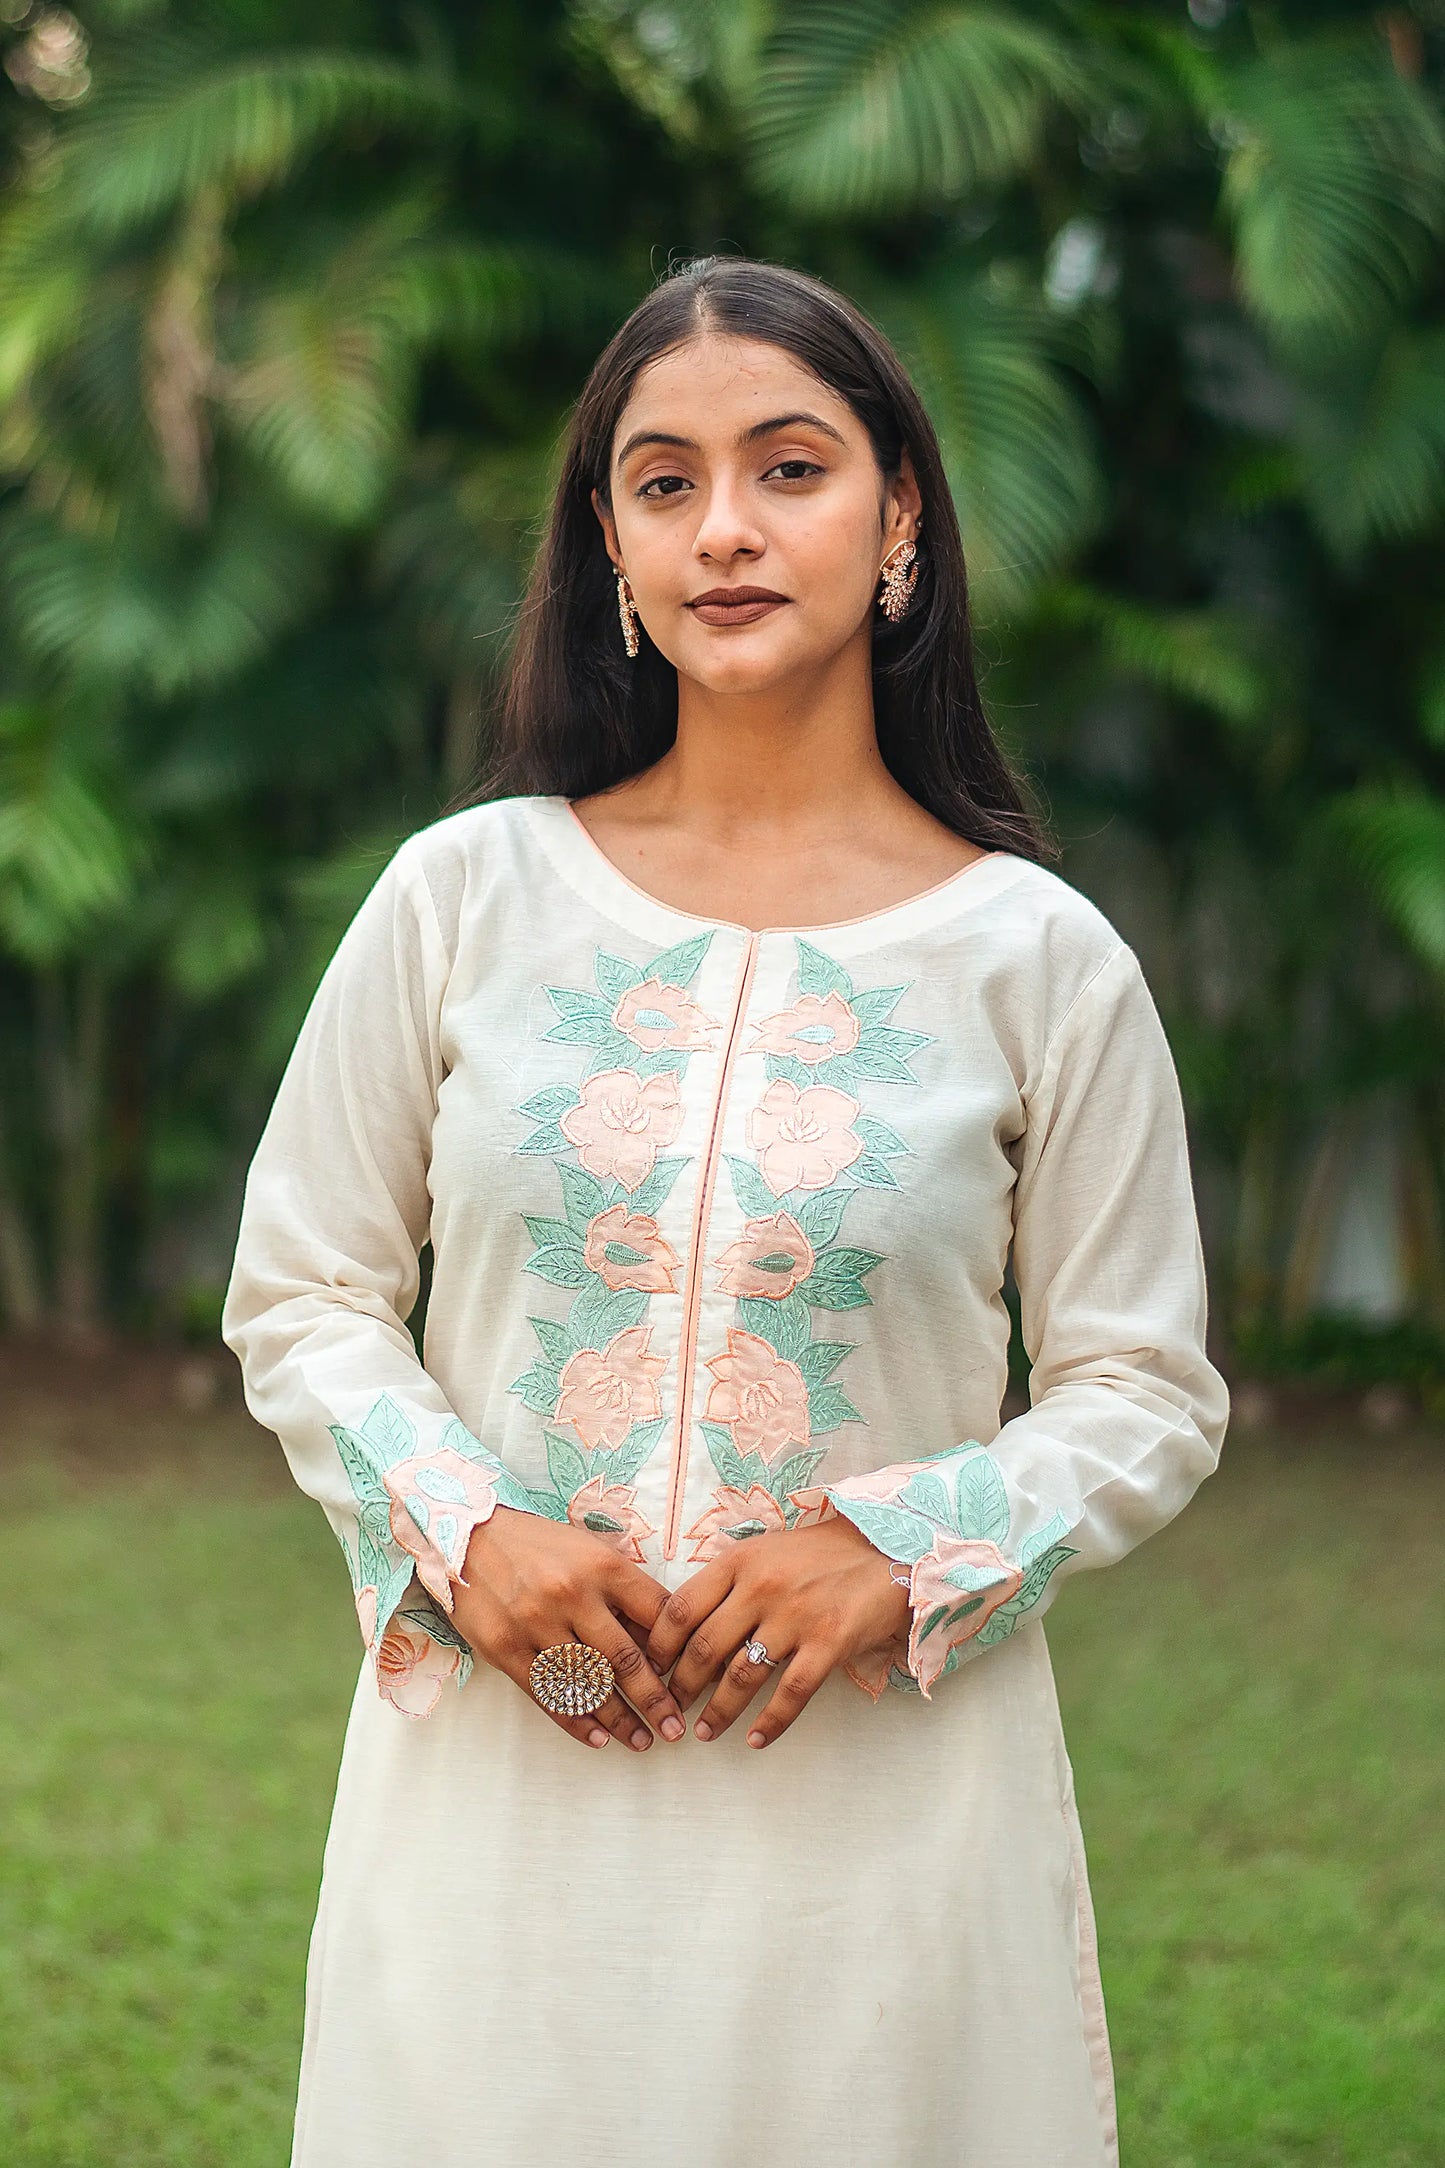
(982, 1499)
(820, 1357)
(614, 975)
(828, 1408)
(819, 974)
(751, 1191)
(653, 1191)
(902, 1535)
(550, 1103)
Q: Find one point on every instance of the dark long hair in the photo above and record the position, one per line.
(576, 715)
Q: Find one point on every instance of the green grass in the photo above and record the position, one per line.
(1253, 1703)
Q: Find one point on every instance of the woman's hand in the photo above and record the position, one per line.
(531, 1582)
(815, 1597)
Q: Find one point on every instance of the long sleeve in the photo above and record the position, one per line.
(335, 1212)
(1127, 1413)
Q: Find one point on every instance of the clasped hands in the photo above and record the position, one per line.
(816, 1596)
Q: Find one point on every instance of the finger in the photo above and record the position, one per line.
(586, 1730)
(681, 1612)
(737, 1686)
(712, 1646)
(636, 1678)
(796, 1684)
(634, 1592)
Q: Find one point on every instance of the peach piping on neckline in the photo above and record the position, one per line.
(732, 925)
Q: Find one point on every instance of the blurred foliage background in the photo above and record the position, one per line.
(292, 308)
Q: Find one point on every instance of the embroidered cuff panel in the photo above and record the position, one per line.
(947, 1518)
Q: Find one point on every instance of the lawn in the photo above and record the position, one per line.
(1253, 1701)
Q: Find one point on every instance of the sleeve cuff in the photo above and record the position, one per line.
(946, 1518)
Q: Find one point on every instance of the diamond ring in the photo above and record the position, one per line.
(757, 1654)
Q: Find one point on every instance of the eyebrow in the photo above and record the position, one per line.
(744, 436)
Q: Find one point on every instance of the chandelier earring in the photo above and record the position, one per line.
(627, 611)
(899, 580)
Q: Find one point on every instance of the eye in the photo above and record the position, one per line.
(811, 465)
(648, 487)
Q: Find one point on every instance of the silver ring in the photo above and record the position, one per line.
(757, 1654)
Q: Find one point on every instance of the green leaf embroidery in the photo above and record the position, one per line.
(614, 975)
(819, 974)
(554, 1340)
(903, 1535)
(929, 1494)
(820, 1357)
(679, 966)
(653, 1191)
(983, 1507)
(820, 1213)
(565, 1464)
(1054, 1527)
(870, 1172)
(387, 1428)
(828, 1408)
(549, 1104)
(562, 1268)
(583, 1196)
(751, 1191)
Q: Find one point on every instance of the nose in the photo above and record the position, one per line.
(727, 525)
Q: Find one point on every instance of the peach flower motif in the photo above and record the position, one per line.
(770, 1257)
(928, 1589)
(814, 1029)
(656, 1259)
(655, 1015)
(803, 1139)
(755, 1509)
(871, 1669)
(366, 1613)
(760, 1395)
(611, 1502)
(412, 1669)
(620, 1123)
(437, 1499)
(605, 1391)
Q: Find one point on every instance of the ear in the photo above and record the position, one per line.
(609, 529)
(904, 510)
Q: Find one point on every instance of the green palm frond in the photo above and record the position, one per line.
(65, 858)
(683, 62)
(179, 120)
(145, 603)
(884, 105)
(1334, 182)
(1018, 449)
(1370, 444)
(450, 551)
(1396, 842)
(1211, 656)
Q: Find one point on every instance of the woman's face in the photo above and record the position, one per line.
(734, 467)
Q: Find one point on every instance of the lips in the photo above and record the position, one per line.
(735, 605)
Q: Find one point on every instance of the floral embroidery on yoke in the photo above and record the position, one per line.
(774, 1394)
(594, 1378)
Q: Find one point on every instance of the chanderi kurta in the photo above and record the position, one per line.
(720, 1220)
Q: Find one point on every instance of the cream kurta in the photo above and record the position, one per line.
(719, 1222)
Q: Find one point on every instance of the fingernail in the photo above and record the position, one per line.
(672, 1727)
(700, 1730)
(756, 1738)
(641, 1739)
(598, 1737)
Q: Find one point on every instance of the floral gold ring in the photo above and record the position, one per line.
(571, 1678)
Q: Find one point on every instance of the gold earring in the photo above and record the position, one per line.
(899, 581)
(627, 611)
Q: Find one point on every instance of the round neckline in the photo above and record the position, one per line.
(573, 830)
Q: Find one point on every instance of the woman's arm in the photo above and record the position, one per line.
(1127, 1412)
(326, 1271)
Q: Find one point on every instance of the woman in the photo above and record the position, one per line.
(723, 1059)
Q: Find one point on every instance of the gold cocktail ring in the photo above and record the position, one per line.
(571, 1678)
